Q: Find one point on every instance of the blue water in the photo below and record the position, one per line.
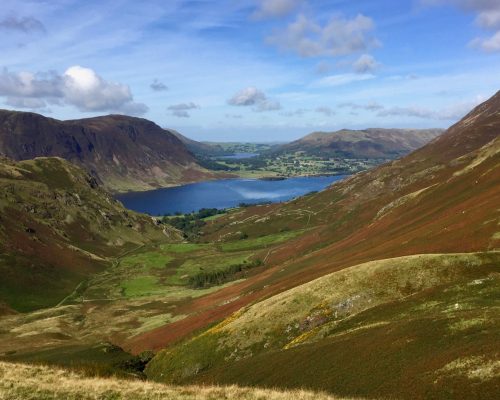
(239, 156)
(223, 193)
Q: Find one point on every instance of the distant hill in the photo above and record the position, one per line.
(57, 227)
(369, 143)
(124, 153)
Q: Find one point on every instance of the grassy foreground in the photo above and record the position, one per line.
(28, 382)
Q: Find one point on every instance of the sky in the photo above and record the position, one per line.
(251, 70)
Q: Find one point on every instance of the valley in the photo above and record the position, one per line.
(250, 200)
(383, 285)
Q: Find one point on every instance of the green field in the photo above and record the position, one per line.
(138, 292)
(295, 164)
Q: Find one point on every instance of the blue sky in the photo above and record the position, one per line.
(252, 70)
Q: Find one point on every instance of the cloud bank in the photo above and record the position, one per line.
(80, 87)
(340, 36)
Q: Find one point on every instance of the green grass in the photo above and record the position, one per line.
(194, 266)
(260, 242)
(184, 247)
(141, 286)
(146, 261)
(213, 217)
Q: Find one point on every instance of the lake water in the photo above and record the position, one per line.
(238, 156)
(223, 193)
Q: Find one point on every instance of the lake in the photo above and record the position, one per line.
(224, 193)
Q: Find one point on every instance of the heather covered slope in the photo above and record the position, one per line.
(369, 143)
(416, 327)
(124, 153)
(57, 227)
(442, 198)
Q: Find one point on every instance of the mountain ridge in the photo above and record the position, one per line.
(124, 153)
(367, 143)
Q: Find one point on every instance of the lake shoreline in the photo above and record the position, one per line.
(223, 193)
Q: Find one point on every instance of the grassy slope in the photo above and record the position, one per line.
(18, 381)
(413, 327)
(57, 228)
(441, 199)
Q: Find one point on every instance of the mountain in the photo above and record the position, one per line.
(124, 153)
(200, 148)
(369, 143)
(57, 227)
(390, 291)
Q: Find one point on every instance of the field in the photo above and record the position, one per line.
(295, 164)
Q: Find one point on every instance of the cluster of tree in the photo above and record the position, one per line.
(216, 277)
(260, 203)
(208, 163)
(254, 162)
(191, 224)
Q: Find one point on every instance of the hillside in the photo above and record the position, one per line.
(30, 382)
(369, 143)
(413, 327)
(124, 153)
(440, 199)
(57, 227)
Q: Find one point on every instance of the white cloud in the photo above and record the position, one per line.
(78, 86)
(247, 97)
(22, 24)
(365, 63)
(453, 112)
(340, 36)
(325, 110)
(87, 91)
(181, 110)
(299, 112)
(490, 45)
(267, 105)
(251, 96)
(21, 102)
(158, 86)
(342, 79)
(371, 106)
(27, 84)
(275, 8)
(488, 17)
